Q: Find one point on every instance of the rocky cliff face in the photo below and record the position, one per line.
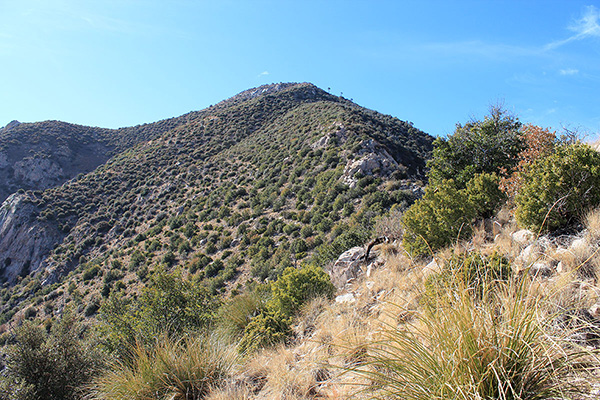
(24, 241)
(38, 171)
(40, 156)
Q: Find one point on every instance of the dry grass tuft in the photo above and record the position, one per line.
(179, 370)
(469, 349)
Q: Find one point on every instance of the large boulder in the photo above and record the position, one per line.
(347, 267)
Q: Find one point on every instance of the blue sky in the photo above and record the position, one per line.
(125, 62)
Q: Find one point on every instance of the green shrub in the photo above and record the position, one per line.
(266, 329)
(212, 269)
(55, 365)
(172, 305)
(487, 146)
(294, 288)
(91, 273)
(443, 215)
(484, 192)
(558, 189)
(446, 213)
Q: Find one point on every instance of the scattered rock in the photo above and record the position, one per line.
(541, 269)
(578, 245)
(595, 311)
(432, 268)
(339, 136)
(534, 251)
(523, 236)
(530, 253)
(345, 298)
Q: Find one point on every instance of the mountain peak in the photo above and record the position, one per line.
(10, 125)
(264, 90)
(302, 91)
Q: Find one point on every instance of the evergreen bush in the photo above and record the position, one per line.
(559, 188)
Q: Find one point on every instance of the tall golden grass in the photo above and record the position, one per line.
(183, 369)
(501, 345)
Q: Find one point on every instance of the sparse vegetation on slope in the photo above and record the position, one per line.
(196, 259)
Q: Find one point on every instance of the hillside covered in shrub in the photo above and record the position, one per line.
(239, 192)
(200, 264)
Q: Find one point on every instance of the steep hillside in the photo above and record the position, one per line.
(40, 155)
(234, 192)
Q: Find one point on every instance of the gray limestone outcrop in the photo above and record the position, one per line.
(347, 267)
(25, 242)
(41, 171)
(373, 159)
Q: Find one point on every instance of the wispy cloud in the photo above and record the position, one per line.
(587, 26)
(569, 71)
(101, 17)
(480, 48)
(264, 73)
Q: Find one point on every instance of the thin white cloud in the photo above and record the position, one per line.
(477, 47)
(569, 71)
(588, 26)
(102, 17)
(264, 73)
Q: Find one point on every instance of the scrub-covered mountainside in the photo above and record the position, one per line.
(289, 244)
(237, 191)
(40, 155)
(37, 156)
